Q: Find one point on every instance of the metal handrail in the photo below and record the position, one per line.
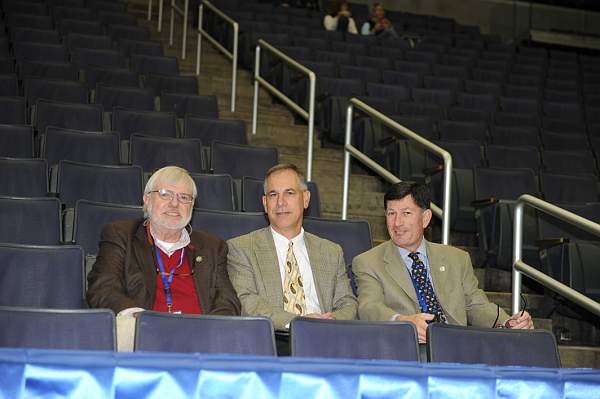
(520, 267)
(160, 14)
(397, 128)
(231, 55)
(184, 14)
(309, 115)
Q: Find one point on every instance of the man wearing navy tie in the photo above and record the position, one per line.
(410, 279)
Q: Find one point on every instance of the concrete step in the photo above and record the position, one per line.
(579, 356)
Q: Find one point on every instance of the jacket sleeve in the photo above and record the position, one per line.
(344, 301)
(226, 301)
(371, 300)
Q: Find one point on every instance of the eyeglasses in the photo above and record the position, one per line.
(168, 195)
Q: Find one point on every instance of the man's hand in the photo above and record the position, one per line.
(328, 315)
(518, 321)
(420, 322)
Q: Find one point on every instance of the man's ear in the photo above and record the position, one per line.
(427, 215)
(264, 202)
(306, 198)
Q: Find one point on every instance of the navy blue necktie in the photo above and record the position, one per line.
(429, 302)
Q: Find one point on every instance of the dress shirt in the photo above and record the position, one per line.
(301, 254)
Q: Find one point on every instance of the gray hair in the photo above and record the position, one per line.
(286, 166)
(169, 175)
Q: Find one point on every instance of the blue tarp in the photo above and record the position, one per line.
(37, 373)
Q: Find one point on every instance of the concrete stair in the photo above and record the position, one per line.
(277, 127)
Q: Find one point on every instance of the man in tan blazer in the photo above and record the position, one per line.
(387, 274)
(260, 263)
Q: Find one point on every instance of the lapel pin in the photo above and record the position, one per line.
(442, 268)
(199, 259)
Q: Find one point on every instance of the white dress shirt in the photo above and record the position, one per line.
(301, 254)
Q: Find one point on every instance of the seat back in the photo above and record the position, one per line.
(152, 153)
(253, 191)
(498, 347)
(33, 221)
(42, 276)
(220, 334)
(226, 225)
(12, 110)
(126, 97)
(171, 84)
(23, 177)
(86, 117)
(89, 329)
(16, 141)
(356, 339)
(79, 146)
(241, 160)
(150, 123)
(214, 192)
(197, 105)
(103, 183)
(209, 130)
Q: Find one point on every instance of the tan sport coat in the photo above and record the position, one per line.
(254, 271)
(385, 287)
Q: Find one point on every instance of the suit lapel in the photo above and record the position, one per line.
(396, 267)
(438, 269)
(315, 257)
(268, 265)
(198, 259)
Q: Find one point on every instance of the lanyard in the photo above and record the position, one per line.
(167, 280)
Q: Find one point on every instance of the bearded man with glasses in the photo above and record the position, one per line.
(159, 263)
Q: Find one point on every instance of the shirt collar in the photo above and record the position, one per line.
(421, 249)
(170, 247)
(281, 240)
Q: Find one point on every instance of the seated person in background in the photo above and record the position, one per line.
(281, 271)
(378, 23)
(159, 263)
(339, 17)
(410, 279)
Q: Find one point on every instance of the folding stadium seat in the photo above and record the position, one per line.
(523, 92)
(334, 94)
(85, 27)
(152, 153)
(562, 85)
(77, 41)
(406, 79)
(466, 154)
(475, 87)
(484, 102)
(458, 344)
(215, 192)
(494, 54)
(34, 221)
(13, 110)
(129, 121)
(452, 71)
(47, 36)
(570, 111)
(29, 21)
(455, 130)
(148, 64)
(66, 3)
(340, 58)
(434, 111)
(488, 75)
(443, 83)
(428, 57)
(74, 13)
(23, 177)
(142, 47)
(104, 183)
(520, 105)
(110, 77)
(116, 18)
(365, 74)
(201, 106)
(90, 219)
(71, 116)
(171, 84)
(567, 162)
(563, 74)
(226, 225)
(42, 276)
(337, 338)
(131, 32)
(396, 53)
(381, 63)
(528, 70)
(220, 334)
(16, 141)
(569, 188)
(385, 105)
(564, 141)
(4, 48)
(55, 90)
(125, 97)
(98, 57)
(47, 70)
(398, 93)
(496, 191)
(457, 61)
(349, 47)
(209, 130)
(79, 146)
(26, 51)
(9, 85)
(500, 65)
(89, 329)
(525, 80)
(104, 5)
(241, 160)
(522, 156)
(25, 7)
(253, 191)
(458, 113)
(511, 119)
(444, 98)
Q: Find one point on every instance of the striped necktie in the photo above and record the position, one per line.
(429, 302)
(293, 289)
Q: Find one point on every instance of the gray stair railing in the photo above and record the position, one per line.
(520, 267)
(398, 129)
(160, 14)
(308, 115)
(183, 12)
(231, 55)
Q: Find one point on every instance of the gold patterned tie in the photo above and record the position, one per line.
(293, 291)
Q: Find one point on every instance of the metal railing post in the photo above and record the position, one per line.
(172, 20)
(160, 16)
(256, 83)
(312, 80)
(149, 17)
(199, 42)
(347, 142)
(517, 253)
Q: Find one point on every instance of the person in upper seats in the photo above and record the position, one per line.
(411, 279)
(281, 271)
(159, 263)
(378, 23)
(339, 18)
